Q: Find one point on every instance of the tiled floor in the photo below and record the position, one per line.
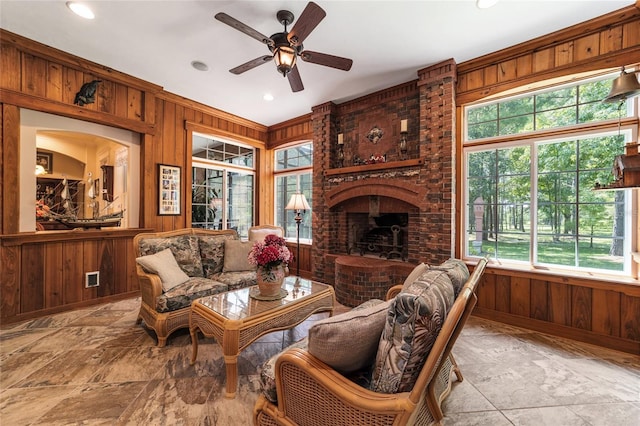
(95, 366)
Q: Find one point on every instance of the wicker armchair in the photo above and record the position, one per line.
(311, 393)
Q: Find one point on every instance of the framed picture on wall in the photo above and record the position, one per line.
(169, 190)
(45, 159)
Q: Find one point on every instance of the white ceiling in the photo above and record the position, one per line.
(387, 40)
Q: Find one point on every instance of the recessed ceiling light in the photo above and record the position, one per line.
(485, 4)
(80, 9)
(268, 97)
(200, 66)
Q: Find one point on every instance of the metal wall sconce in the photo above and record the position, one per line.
(402, 146)
(340, 150)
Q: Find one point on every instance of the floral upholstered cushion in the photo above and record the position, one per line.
(212, 253)
(415, 274)
(236, 256)
(236, 280)
(165, 266)
(457, 271)
(348, 342)
(185, 249)
(182, 295)
(268, 372)
(415, 318)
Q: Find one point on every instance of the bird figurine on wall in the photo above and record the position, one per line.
(86, 94)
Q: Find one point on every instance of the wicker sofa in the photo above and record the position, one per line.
(308, 391)
(208, 262)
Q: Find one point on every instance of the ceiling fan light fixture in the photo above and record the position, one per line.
(285, 59)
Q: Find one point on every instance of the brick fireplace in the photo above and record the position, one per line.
(373, 178)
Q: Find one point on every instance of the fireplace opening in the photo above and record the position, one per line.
(383, 235)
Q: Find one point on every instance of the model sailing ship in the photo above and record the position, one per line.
(71, 217)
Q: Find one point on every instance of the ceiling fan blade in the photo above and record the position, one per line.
(294, 80)
(233, 22)
(308, 20)
(251, 64)
(326, 60)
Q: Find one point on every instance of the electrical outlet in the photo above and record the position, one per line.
(92, 279)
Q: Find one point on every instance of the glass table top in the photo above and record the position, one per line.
(237, 304)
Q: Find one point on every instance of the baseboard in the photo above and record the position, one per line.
(609, 342)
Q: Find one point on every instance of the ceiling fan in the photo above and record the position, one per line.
(286, 46)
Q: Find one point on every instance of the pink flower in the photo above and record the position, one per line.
(271, 252)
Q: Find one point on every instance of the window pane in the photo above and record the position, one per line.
(298, 156)
(557, 157)
(240, 202)
(482, 114)
(206, 198)
(557, 108)
(556, 99)
(512, 108)
(225, 152)
(556, 118)
(285, 187)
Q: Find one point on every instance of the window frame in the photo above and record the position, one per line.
(226, 168)
(296, 171)
(626, 126)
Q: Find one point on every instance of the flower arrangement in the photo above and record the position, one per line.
(270, 253)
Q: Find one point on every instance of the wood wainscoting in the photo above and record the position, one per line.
(602, 313)
(44, 272)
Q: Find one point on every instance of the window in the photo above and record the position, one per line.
(222, 193)
(532, 200)
(293, 174)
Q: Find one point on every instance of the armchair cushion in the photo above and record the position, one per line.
(183, 294)
(457, 271)
(165, 266)
(268, 372)
(212, 253)
(415, 318)
(185, 249)
(415, 274)
(236, 256)
(348, 342)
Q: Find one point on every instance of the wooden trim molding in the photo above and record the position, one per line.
(71, 61)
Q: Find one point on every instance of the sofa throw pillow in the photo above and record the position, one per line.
(348, 342)
(236, 254)
(414, 320)
(212, 253)
(185, 249)
(457, 271)
(417, 271)
(165, 266)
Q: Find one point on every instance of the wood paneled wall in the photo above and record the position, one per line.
(40, 273)
(609, 41)
(45, 272)
(601, 313)
(586, 309)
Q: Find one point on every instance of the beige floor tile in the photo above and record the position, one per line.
(115, 374)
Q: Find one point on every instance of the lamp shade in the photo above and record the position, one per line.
(298, 202)
(623, 87)
(285, 59)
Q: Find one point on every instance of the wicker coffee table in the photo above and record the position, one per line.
(236, 320)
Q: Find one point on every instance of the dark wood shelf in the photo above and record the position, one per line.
(374, 167)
